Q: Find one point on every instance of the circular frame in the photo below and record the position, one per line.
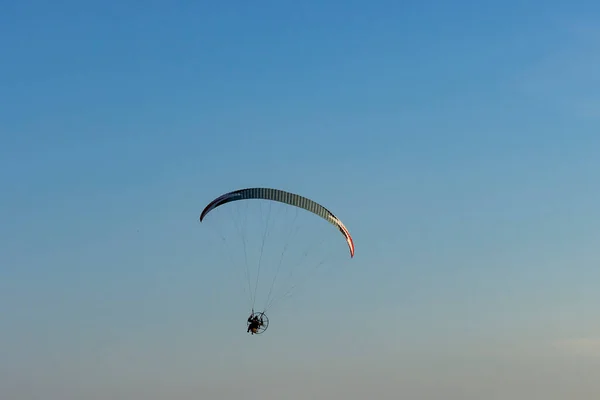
(264, 322)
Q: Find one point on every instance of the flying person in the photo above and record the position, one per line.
(254, 323)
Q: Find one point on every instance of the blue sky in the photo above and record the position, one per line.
(458, 142)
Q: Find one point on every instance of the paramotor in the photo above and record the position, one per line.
(242, 215)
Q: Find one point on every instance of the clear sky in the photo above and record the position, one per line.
(459, 141)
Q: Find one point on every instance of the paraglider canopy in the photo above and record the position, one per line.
(282, 197)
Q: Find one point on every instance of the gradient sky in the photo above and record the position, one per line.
(459, 141)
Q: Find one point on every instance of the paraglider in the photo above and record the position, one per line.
(258, 322)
